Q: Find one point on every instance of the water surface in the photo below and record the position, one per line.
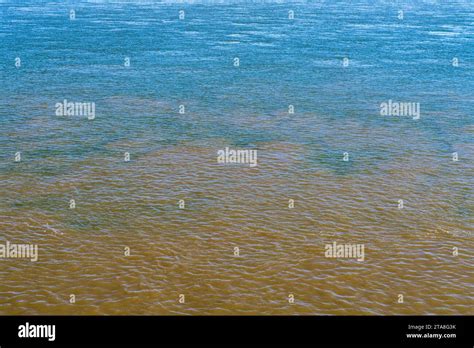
(190, 251)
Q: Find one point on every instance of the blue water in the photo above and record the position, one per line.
(190, 62)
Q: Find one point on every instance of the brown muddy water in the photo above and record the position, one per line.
(190, 251)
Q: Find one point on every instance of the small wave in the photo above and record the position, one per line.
(443, 33)
(55, 230)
